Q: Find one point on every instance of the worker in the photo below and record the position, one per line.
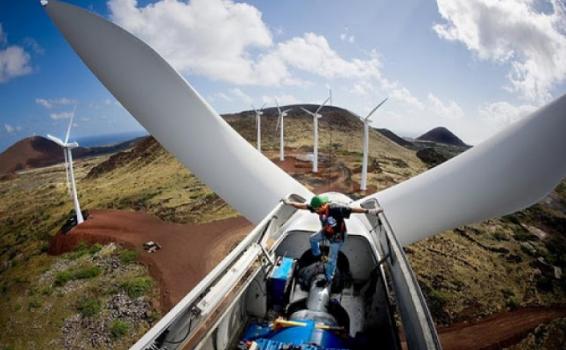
(331, 217)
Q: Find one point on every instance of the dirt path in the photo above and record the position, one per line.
(499, 330)
(187, 252)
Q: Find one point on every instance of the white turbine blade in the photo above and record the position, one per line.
(70, 124)
(56, 140)
(309, 112)
(375, 109)
(175, 114)
(508, 172)
(286, 110)
(322, 105)
(278, 121)
(253, 108)
(278, 108)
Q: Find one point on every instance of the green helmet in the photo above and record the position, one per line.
(318, 201)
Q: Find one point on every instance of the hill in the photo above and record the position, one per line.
(395, 138)
(31, 152)
(442, 135)
(37, 151)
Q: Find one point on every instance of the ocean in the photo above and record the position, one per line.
(109, 139)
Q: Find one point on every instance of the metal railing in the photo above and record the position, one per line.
(420, 331)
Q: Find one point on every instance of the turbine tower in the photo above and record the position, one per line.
(282, 115)
(71, 185)
(363, 183)
(315, 117)
(258, 114)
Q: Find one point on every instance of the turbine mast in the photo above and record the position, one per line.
(363, 182)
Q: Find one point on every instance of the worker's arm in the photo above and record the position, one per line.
(367, 211)
(296, 204)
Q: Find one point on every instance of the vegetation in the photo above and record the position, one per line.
(119, 328)
(83, 272)
(88, 307)
(137, 286)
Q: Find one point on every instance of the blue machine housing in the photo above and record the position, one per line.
(279, 281)
(307, 337)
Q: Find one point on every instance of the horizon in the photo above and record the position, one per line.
(443, 63)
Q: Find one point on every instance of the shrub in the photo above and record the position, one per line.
(34, 303)
(118, 329)
(88, 307)
(84, 272)
(63, 277)
(83, 248)
(128, 256)
(137, 286)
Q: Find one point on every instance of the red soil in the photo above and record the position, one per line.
(188, 251)
(497, 331)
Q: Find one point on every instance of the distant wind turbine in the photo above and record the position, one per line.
(67, 147)
(258, 114)
(363, 184)
(315, 117)
(282, 115)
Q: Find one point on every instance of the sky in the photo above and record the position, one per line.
(473, 66)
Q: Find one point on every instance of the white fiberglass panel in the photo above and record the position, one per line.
(508, 172)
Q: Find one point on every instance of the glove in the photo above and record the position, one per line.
(374, 211)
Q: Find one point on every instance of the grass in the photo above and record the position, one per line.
(88, 307)
(127, 256)
(80, 273)
(137, 286)
(118, 329)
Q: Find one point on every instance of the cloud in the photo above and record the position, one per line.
(60, 115)
(207, 37)
(53, 102)
(228, 41)
(501, 114)
(34, 45)
(14, 62)
(11, 129)
(513, 32)
(447, 110)
(282, 99)
(313, 54)
(240, 95)
(347, 37)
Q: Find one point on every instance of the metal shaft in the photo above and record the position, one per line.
(80, 218)
(363, 184)
(258, 122)
(315, 147)
(281, 142)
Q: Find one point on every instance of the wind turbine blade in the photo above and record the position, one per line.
(309, 112)
(263, 105)
(174, 113)
(278, 109)
(287, 110)
(375, 109)
(278, 121)
(70, 124)
(508, 172)
(56, 140)
(322, 105)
